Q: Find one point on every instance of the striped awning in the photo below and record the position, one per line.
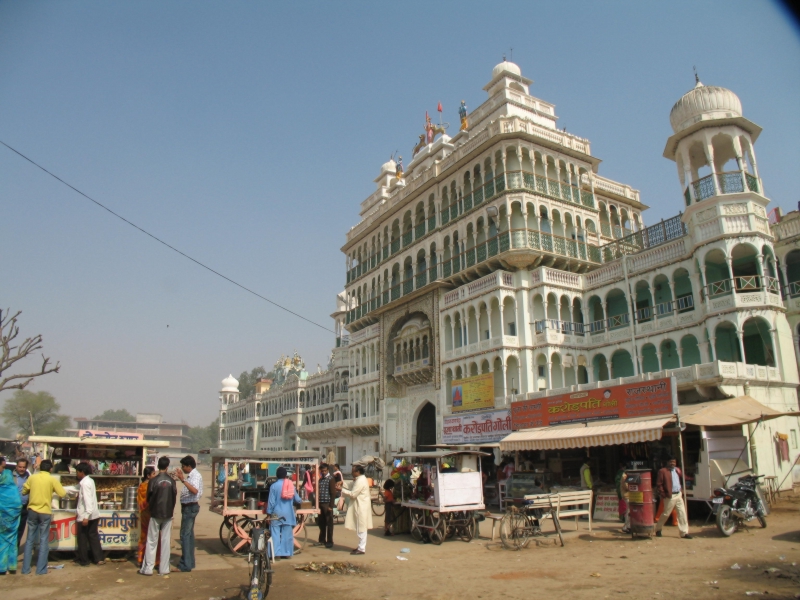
(583, 436)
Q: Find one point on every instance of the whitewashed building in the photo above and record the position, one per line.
(502, 250)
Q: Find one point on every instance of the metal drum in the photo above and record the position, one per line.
(252, 503)
(129, 499)
(640, 502)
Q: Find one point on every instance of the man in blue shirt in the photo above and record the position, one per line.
(21, 475)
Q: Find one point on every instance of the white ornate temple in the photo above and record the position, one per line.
(502, 250)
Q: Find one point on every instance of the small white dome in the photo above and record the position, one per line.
(506, 67)
(704, 103)
(389, 167)
(230, 384)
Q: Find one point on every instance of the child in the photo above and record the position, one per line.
(388, 499)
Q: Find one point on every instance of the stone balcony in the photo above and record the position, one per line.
(500, 341)
(363, 426)
(414, 372)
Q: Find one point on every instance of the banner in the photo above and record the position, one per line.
(473, 393)
(109, 435)
(631, 400)
(117, 530)
(476, 428)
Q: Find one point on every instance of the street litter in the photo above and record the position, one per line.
(334, 568)
(595, 575)
(405, 550)
(401, 558)
(735, 566)
(55, 566)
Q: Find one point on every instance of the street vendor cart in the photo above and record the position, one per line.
(117, 468)
(445, 495)
(240, 495)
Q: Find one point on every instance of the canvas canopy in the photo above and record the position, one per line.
(736, 411)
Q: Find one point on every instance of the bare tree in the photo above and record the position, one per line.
(9, 330)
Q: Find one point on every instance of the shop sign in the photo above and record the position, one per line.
(631, 400)
(478, 428)
(606, 508)
(473, 393)
(109, 435)
(117, 531)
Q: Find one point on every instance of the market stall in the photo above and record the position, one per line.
(240, 491)
(442, 490)
(117, 468)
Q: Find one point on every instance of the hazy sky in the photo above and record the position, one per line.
(246, 134)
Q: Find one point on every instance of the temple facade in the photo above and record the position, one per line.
(501, 251)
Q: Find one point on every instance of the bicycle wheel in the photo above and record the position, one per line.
(378, 505)
(514, 532)
(469, 530)
(239, 536)
(260, 577)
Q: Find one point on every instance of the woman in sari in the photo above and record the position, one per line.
(144, 515)
(10, 509)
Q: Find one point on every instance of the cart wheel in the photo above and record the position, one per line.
(449, 528)
(439, 530)
(514, 531)
(239, 536)
(416, 532)
(469, 530)
(300, 536)
(224, 528)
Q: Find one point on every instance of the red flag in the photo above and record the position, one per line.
(439, 108)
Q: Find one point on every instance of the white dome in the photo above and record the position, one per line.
(389, 167)
(230, 384)
(506, 67)
(704, 103)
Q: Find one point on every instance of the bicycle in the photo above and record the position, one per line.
(378, 501)
(518, 525)
(259, 558)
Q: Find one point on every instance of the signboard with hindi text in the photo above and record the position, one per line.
(476, 428)
(630, 400)
(109, 435)
(118, 530)
(473, 393)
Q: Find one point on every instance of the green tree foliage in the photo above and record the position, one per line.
(247, 381)
(41, 407)
(120, 414)
(204, 437)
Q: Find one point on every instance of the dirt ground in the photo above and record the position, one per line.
(603, 564)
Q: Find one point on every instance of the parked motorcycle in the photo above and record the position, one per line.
(739, 504)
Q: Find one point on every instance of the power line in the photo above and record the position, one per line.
(160, 241)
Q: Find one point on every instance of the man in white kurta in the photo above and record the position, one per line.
(359, 507)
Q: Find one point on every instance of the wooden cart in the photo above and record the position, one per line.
(456, 494)
(119, 528)
(231, 500)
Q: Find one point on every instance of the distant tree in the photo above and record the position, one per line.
(10, 354)
(120, 414)
(5, 432)
(204, 437)
(247, 381)
(39, 407)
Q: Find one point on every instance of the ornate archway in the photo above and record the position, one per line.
(426, 428)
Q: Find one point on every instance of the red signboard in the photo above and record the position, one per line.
(642, 399)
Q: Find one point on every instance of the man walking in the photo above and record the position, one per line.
(21, 475)
(162, 492)
(40, 488)
(88, 517)
(359, 511)
(668, 484)
(190, 505)
(325, 492)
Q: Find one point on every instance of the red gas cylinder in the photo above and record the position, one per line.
(640, 502)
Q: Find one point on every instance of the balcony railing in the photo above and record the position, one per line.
(615, 322)
(729, 183)
(565, 327)
(743, 284)
(792, 289)
(650, 237)
(665, 309)
(559, 190)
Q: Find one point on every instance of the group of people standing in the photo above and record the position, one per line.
(26, 500)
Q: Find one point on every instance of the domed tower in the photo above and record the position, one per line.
(730, 237)
(712, 146)
(228, 395)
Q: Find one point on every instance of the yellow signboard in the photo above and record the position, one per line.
(473, 393)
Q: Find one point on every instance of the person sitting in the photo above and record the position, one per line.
(62, 466)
